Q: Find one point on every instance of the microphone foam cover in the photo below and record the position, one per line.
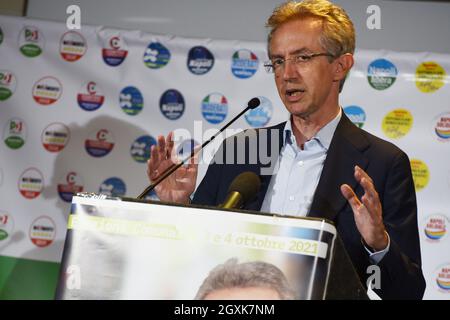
(254, 103)
(247, 184)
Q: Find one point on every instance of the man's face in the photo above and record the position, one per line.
(303, 87)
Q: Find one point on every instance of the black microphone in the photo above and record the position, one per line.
(243, 189)
(252, 104)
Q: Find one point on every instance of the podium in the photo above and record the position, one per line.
(120, 248)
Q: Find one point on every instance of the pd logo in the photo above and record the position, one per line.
(69, 184)
(356, 115)
(200, 60)
(131, 101)
(7, 84)
(90, 97)
(47, 90)
(140, 149)
(260, 116)
(443, 279)
(115, 52)
(55, 137)
(381, 74)
(99, 143)
(113, 187)
(14, 133)
(31, 183)
(435, 227)
(171, 104)
(6, 226)
(441, 127)
(72, 46)
(215, 108)
(244, 64)
(156, 56)
(31, 42)
(42, 232)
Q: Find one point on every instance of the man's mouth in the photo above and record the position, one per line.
(294, 93)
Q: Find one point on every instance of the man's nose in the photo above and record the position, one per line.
(289, 69)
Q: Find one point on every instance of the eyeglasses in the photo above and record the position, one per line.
(277, 64)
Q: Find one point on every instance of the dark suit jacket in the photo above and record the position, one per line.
(387, 165)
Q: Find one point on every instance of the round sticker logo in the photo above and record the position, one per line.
(441, 127)
(200, 60)
(47, 90)
(356, 114)
(31, 183)
(6, 226)
(115, 52)
(435, 227)
(131, 101)
(421, 174)
(443, 279)
(430, 76)
(215, 108)
(14, 133)
(90, 97)
(42, 231)
(68, 185)
(55, 137)
(381, 74)
(99, 143)
(7, 84)
(260, 116)
(156, 55)
(72, 46)
(171, 104)
(113, 187)
(31, 41)
(397, 123)
(140, 149)
(244, 64)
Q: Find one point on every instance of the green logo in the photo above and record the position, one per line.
(3, 234)
(14, 133)
(31, 42)
(7, 84)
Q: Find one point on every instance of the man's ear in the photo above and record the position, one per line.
(343, 64)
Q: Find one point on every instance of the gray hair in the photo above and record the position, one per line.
(232, 274)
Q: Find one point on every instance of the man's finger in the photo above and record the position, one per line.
(360, 173)
(162, 147)
(351, 197)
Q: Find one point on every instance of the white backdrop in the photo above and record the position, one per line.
(78, 111)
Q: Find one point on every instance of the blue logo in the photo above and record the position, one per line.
(90, 97)
(140, 149)
(113, 187)
(115, 52)
(244, 64)
(156, 56)
(99, 143)
(215, 108)
(171, 104)
(356, 115)
(200, 60)
(381, 74)
(260, 116)
(131, 101)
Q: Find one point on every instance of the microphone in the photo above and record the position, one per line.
(252, 104)
(243, 189)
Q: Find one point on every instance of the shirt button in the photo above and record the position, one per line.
(291, 198)
(300, 163)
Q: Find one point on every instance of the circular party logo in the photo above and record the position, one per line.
(99, 143)
(441, 127)
(42, 231)
(47, 90)
(172, 104)
(131, 101)
(356, 115)
(381, 74)
(115, 51)
(31, 183)
(435, 227)
(90, 97)
(6, 226)
(215, 108)
(140, 149)
(69, 185)
(31, 41)
(55, 137)
(156, 55)
(244, 64)
(421, 174)
(397, 123)
(15, 133)
(7, 84)
(72, 46)
(113, 187)
(260, 116)
(430, 77)
(200, 60)
(443, 278)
